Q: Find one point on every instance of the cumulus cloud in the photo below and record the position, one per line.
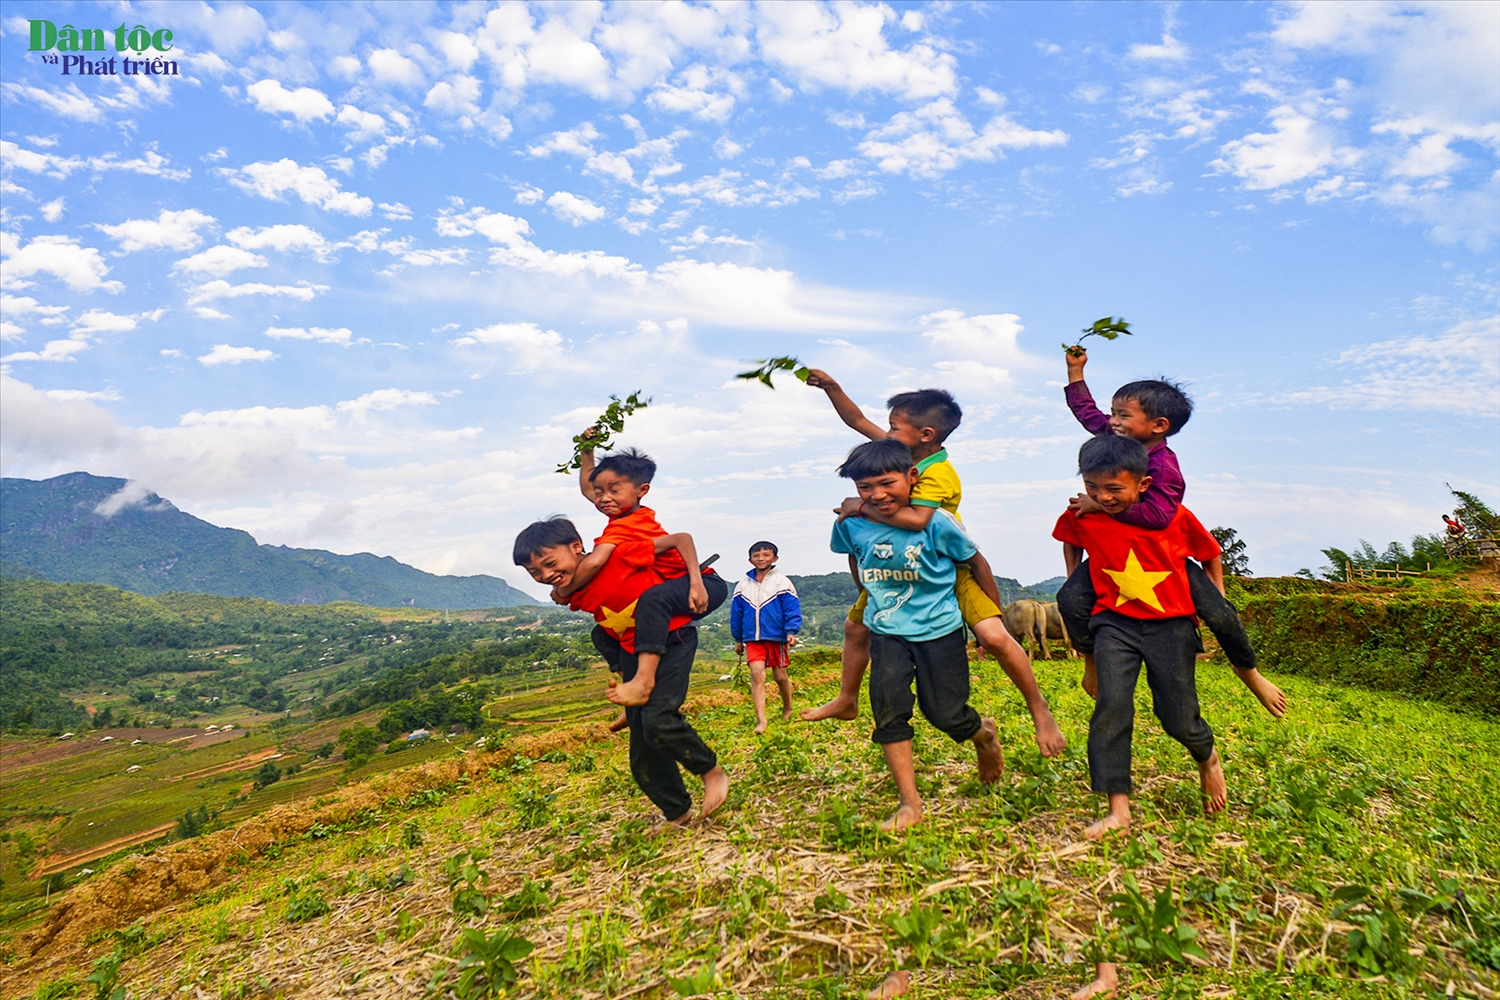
(215, 262)
(526, 345)
(224, 354)
(341, 336)
(281, 238)
(1298, 147)
(575, 210)
(168, 231)
(303, 291)
(80, 268)
(311, 184)
(304, 104)
(937, 138)
(844, 47)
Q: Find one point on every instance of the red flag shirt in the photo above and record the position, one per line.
(641, 525)
(1138, 572)
(612, 594)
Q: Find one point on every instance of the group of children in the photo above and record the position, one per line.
(1141, 569)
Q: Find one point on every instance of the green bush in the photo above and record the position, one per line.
(1445, 648)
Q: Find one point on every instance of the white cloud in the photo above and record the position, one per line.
(390, 66)
(341, 336)
(527, 345)
(362, 125)
(727, 149)
(575, 210)
(1299, 148)
(168, 231)
(273, 180)
(218, 261)
(528, 194)
(394, 210)
(304, 104)
(76, 395)
(223, 354)
(282, 238)
(80, 268)
(97, 321)
(937, 138)
(56, 350)
(303, 291)
(844, 47)
(991, 337)
(384, 399)
(458, 95)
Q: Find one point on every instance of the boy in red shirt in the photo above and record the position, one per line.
(1143, 612)
(660, 738)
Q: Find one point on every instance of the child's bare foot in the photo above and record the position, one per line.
(1215, 792)
(987, 747)
(715, 791)
(628, 694)
(1269, 694)
(1106, 982)
(680, 821)
(895, 984)
(1099, 829)
(619, 723)
(1090, 677)
(760, 727)
(907, 814)
(1049, 737)
(839, 708)
(786, 714)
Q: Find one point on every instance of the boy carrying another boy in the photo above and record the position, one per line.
(660, 738)
(1151, 411)
(1143, 613)
(913, 614)
(922, 421)
(764, 619)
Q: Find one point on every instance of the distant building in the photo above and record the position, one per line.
(417, 735)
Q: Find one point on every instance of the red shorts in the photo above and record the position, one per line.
(773, 654)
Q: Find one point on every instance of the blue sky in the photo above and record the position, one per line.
(354, 277)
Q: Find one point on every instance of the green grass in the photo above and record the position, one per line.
(1358, 809)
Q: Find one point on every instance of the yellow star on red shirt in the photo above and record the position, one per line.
(1137, 584)
(620, 621)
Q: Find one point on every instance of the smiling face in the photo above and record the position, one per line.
(556, 564)
(887, 492)
(1115, 491)
(1127, 419)
(616, 496)
(762, 559)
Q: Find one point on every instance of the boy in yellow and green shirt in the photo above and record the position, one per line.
(922, 420)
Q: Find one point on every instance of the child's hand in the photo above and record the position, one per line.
(697, 597)
(739, 649)
(558, 597)
(1084, 504)
(791, 641)
(819, 379)
(851, 507)
(1076, 361)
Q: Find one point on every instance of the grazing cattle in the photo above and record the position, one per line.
(1027, 620)
(1055, 629)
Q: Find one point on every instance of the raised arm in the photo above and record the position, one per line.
(586, 469)
(1080, 400)
(848, 410)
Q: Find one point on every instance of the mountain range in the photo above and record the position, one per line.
(77, 529)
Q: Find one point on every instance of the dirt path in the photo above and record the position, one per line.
(243, 764)
(57, 863)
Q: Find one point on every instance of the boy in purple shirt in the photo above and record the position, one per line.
(1150, 412)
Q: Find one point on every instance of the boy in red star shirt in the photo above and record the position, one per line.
(660, 738)
(1144, 612)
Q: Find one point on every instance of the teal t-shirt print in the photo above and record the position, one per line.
(909, 574)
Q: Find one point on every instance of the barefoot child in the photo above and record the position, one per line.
(922, 421)
(913, 615)
(1150, 412)
(660, 738)
(1143, 613)
(764, 620)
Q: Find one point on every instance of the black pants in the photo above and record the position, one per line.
(941, 669)
(660, 737)
(1169, 647)
(667, 600)
(1076, 602)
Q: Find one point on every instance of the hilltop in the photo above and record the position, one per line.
(80, 528)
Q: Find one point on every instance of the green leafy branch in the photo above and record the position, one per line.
(769, 365)
(610, 422)
(1110, 327)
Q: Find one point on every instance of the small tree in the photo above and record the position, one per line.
(1236, 561)
(268, 774)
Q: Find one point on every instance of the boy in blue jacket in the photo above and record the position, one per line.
(764, 621)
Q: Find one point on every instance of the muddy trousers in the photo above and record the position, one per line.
(1169, 647)
(660, 737)
(1076, 602)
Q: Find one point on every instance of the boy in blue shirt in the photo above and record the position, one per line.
(913, 615)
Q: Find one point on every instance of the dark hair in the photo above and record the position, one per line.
(1109, 453)
(935, 408)
(539, 535)
(1158, 397)
(632, 463)
(757, 546)
(876, 458)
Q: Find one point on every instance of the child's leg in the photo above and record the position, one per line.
(667, 730)
(654, 611)
(654, 770)
(609, 648)
(845, 704)
(942, 668)
(993, 636)
(1170, 648)
(1224, 622)
(892, 672)
(1117, 646)
(785, 684)
(1106, 982)
(1075, 602)
(758, 693)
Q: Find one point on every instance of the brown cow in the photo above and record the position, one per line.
(1055, 629)
(1027, 620)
